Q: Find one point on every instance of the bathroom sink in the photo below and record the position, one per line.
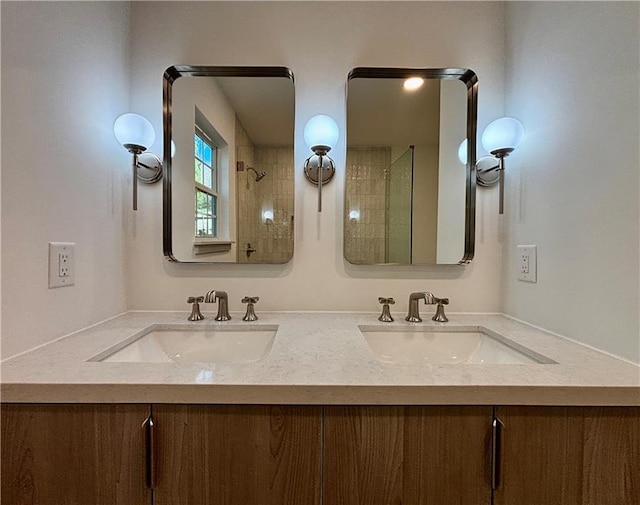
(191, 344)
(451, 345)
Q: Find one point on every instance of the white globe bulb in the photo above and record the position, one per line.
(321, 130)
(462, 152)
(133, 129)
(503, 133)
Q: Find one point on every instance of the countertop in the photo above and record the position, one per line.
(317, 358)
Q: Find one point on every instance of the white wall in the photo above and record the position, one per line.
(412, 34)
(64, 177)
(572, 188)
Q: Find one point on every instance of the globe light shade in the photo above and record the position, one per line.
(505, 133)
(321, 130)
(134, 130)
(462, 152)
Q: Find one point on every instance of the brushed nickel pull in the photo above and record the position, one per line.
(150, 476)
(496, 443)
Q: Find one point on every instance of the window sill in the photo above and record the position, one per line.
(208, 246)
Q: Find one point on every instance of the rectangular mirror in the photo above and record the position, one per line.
(409, 199)
(228, 164)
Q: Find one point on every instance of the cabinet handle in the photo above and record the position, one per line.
(149, 452)
(496, 443)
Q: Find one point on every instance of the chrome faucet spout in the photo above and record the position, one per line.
(430, 299)
(414, 314)
(223, 303)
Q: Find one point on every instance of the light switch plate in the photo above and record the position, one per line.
(527, 263)
(61, 264)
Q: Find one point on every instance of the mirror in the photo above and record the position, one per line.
(408, 197)
(228, 188)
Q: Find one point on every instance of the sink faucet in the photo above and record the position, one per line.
(414, 314)
(223, 304)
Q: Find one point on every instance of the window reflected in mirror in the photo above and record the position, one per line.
(229, 195)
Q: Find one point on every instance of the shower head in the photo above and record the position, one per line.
(259, 176)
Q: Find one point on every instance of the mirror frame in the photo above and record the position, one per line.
(170, 76)
(470, 80)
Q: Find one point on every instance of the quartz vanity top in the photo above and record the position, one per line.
(317, 358)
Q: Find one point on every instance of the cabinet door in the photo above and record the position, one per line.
(569, 456)
(73, 454)
(237, 455)
(408, 455)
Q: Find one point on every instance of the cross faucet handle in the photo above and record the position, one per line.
(386, 317)
(250, 314)
(440, 316)
(196, 315)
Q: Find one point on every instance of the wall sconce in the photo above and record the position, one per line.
(267, 216)
(500, 138)
(136, 134)
(320, 134)
(354, 216)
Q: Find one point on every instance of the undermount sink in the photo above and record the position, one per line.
(447, 345)
(191, 344)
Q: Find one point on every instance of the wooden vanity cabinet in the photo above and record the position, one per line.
(312, 455)
(73, 454)
(409, 455)
(569, 456)
(237, 455)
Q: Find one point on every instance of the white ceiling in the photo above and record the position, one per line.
(265, 107)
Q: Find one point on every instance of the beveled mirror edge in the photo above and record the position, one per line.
(171, 74)
(470, 80)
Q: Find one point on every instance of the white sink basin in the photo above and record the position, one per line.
(450, 345)
(192, 344)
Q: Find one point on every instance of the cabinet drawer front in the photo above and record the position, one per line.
(238, 455)
(73, 454)
(569, 456)
(409, 455)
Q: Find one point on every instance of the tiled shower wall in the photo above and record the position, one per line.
(271, 239)
(364, 236)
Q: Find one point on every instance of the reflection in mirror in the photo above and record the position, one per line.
(229, 189)
(408, 198)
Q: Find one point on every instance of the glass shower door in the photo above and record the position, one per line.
(398, 202)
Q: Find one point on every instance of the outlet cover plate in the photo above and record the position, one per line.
(527, 263)
(62, 264)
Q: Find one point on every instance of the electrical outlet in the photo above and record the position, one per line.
(527, 263)
(61, 264)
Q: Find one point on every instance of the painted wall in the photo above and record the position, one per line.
(412, 34)
(572, 187)
(65, 78)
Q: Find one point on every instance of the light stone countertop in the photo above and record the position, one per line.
(317, 358)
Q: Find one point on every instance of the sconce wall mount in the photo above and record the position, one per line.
(136, 134)
(320, 134)
(500, 138)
